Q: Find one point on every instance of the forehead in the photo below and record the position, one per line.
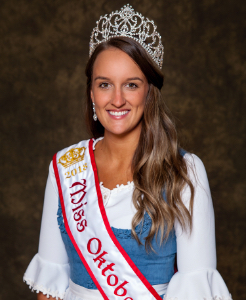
(113, 61)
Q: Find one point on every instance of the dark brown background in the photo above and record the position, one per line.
(44, 49)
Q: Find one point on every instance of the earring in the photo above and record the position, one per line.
(94, 115)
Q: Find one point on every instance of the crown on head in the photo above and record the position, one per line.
(129, 23)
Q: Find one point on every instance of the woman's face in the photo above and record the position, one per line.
(119, 91)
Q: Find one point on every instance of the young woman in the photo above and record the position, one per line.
(129, 201)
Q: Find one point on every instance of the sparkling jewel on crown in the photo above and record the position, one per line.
(129, 23)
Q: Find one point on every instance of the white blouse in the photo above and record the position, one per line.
(197, 277)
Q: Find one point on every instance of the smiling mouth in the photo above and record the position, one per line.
(118, 113)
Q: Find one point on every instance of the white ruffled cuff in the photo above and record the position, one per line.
(197, 285)
(49, 278)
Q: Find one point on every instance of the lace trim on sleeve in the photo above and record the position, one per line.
(39, 288)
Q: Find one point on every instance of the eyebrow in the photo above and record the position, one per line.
(128, 79)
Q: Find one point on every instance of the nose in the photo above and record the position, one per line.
(118, 99)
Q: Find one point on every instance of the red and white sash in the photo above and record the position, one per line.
(86, 223)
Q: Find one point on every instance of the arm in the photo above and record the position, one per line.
(197, 250)
(51, 246)
(48, 272)
(197, 277)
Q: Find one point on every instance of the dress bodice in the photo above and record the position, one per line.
(157, 266)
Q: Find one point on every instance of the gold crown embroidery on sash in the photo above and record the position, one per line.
(72, 156)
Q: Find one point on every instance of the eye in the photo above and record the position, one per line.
(104, 85)
(132, 85)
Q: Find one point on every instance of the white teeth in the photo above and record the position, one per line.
(118, 113)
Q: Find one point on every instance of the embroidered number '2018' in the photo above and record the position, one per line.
(80, 169)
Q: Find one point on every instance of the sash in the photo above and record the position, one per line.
(86, 223)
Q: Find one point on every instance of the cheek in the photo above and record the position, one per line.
(141, 98)
(101, 100)
(97, 96)
(136, 98)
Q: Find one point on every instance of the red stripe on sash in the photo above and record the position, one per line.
(110, 232)
(68, 229)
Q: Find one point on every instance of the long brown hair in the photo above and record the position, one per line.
(158, 166)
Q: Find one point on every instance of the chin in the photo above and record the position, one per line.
(119, 132)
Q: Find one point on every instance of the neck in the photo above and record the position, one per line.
(119, 147)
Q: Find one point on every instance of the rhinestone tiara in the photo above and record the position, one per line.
(128, 23)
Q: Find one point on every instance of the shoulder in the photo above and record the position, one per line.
(193, 160)
(194, 164)
(196, 169)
